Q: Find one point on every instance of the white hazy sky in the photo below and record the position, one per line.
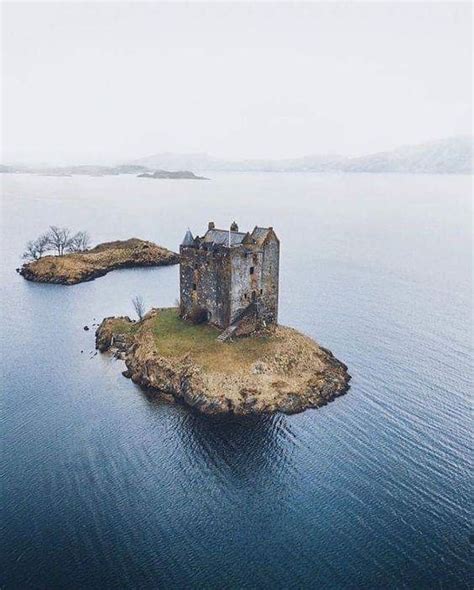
(95, 82)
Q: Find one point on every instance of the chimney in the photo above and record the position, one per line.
(234, 226)
(211, 225)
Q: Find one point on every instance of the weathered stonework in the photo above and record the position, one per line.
(226, 271)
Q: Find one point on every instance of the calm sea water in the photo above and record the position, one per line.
(104, 487)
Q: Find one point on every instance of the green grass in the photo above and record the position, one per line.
(175, 337)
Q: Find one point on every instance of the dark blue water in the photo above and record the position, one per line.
(105, 487)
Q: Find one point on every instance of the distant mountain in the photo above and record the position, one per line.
(85, 170)
(202, 162)
(446, 156)
(168, 161)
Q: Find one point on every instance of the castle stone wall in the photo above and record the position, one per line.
(245, 287)
(205, 282)
(270, 280)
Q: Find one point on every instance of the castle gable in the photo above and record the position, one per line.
(260, 234)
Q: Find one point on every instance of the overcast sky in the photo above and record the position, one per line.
(90, 82)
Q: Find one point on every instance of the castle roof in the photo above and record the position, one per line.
(188, 239)
(260, 233)
(221, 237)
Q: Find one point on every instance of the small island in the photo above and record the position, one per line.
(183, 174)
(80, 266)
(273, 370)
(223, 351)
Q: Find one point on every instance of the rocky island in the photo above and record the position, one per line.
(222, 350)
(183, 174)
(77, 267)
(276, 369)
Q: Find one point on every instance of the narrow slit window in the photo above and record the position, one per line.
(194, 286)
(252, 269)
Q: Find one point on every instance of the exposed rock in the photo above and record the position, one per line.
(111, 332)
(79, 267)
(86, 328)
(284, 371)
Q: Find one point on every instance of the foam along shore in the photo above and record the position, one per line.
(278, 370)
(78, 267)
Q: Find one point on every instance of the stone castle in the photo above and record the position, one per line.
(231, 276)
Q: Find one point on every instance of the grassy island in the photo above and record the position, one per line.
(77, 267)
(277, 370)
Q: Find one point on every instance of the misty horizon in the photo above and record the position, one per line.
(211, 156)
(113, 82)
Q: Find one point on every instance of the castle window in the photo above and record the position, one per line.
(194, 286)
(195, 266)
(261, 291)
(252, 270)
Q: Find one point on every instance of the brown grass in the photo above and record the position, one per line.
(76, 267)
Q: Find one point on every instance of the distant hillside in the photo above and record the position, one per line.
(91, 170)
(84, 170)
(446, 156)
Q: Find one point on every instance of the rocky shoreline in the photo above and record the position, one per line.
(277, 371)
(80, 267)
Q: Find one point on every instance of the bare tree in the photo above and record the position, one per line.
(79, 242)
(36, 248)
(59, 238)
(139, 306)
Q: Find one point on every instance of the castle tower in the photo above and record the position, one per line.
(228, 273)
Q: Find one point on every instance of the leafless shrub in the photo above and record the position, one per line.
(139, 306)
(79, 242)
(59, 238)
(36, 248)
